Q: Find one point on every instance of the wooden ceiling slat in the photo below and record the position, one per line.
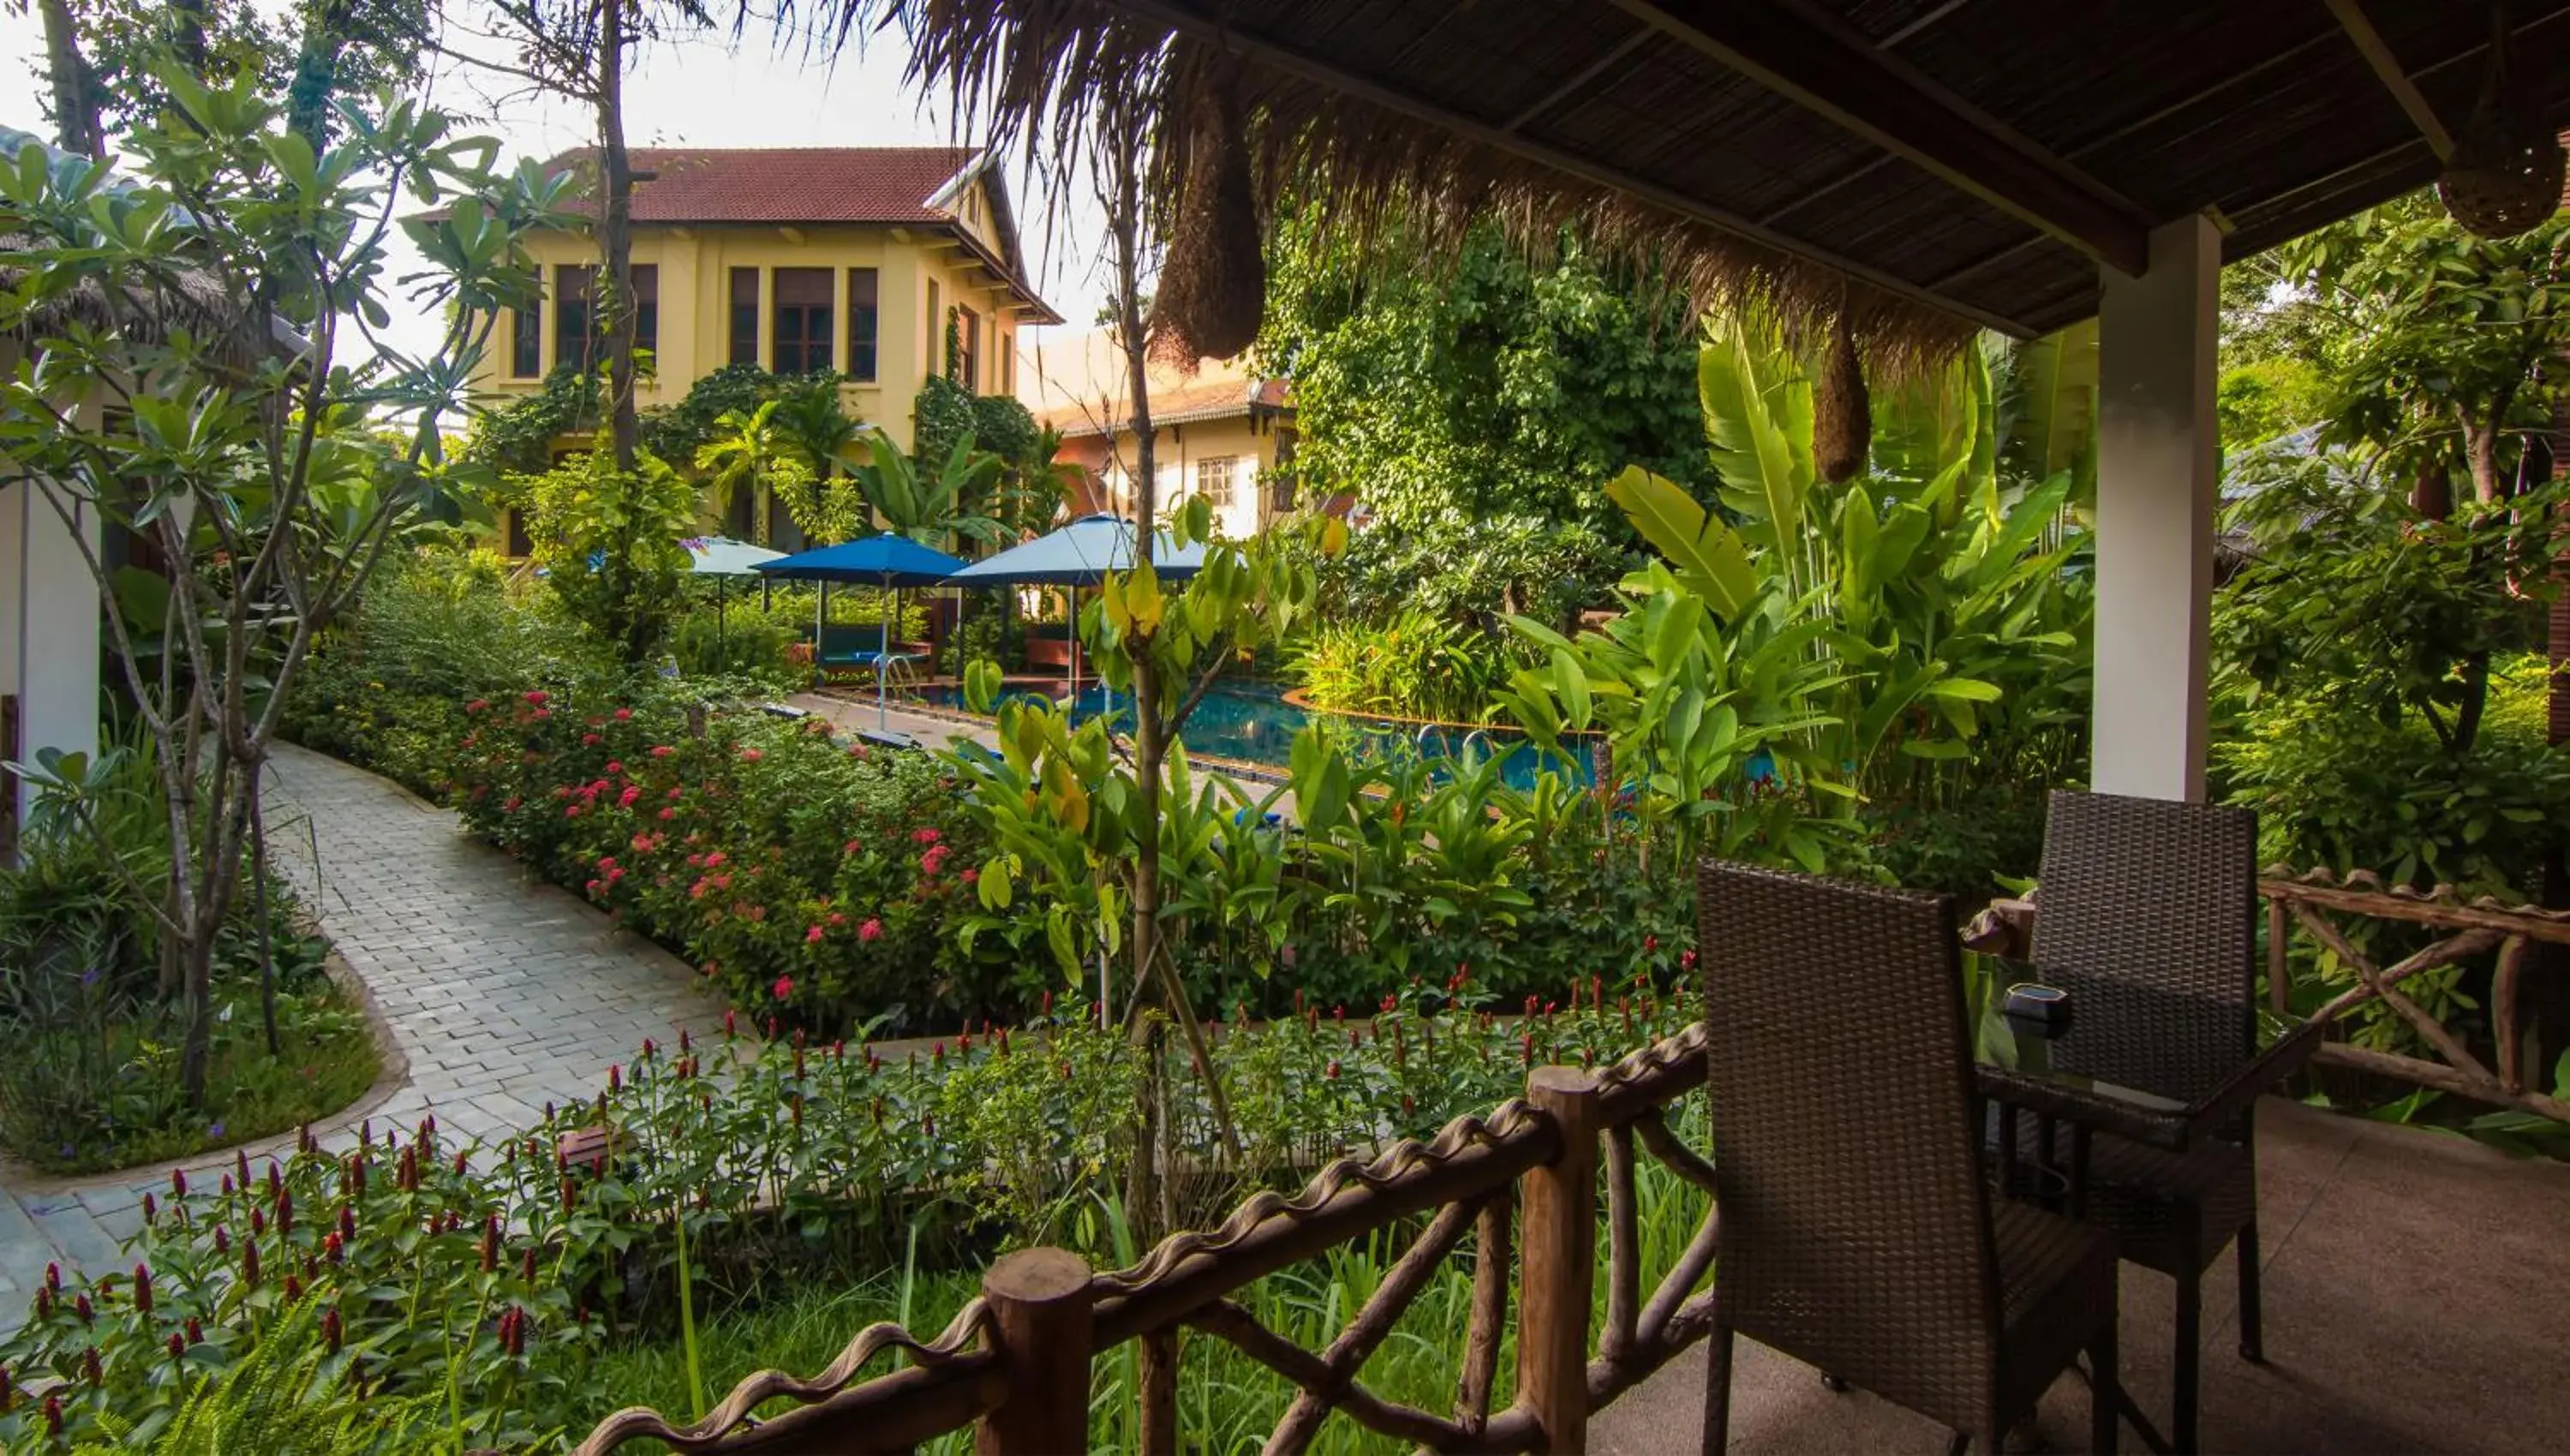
(1856, 88)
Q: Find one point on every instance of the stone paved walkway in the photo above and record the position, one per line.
(500, 992)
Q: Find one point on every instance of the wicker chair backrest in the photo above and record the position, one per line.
(1855, 1221)
(2160, 897)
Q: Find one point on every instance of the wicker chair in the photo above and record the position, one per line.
(2163, 896)
(1858, 1231)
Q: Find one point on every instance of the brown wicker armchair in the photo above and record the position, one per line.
(2163, 896)
(1858, 1231)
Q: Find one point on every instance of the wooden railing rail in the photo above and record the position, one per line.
(2308, 901)
(1519, 1186)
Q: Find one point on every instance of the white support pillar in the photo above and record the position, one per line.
(51, 610)
(2156, 488)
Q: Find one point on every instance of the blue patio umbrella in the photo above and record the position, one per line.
(889, 561)
(1075, 556)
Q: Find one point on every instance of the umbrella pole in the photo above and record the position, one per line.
(719, 645)
(883, 656)
(820, 610)
(1073, 633)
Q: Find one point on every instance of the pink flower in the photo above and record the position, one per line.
(623, 715)
(757, 913)
(661, 750)
(616, 765)
(813, 935)
(536, 696)
(543, 714)
(972, 876)
(853, 846)
(924, 836)
(871, 931)
(714, 858)
(590, 740)
(785, 988)
(709, 968)
(856, 750)
(594, 885)
(477, 705)
(674, 793)
(751, 755)
(572, 813)
(625, 799)
(510, 805)
(668, 813)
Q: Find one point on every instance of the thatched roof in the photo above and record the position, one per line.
(195, 299)
(1931, 166)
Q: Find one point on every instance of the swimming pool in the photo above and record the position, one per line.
(1256, 725)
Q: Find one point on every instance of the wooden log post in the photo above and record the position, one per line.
(1039, 1325)
(1557, 1264)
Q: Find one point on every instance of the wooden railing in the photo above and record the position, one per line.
(2471, 929)
(2309, 900)
(1521, 1183)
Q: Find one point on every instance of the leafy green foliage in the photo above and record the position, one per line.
(1492, 387)
(2431, 338)
(679, 430)
(2349, 594)
(487, 1293)
(2265, 398)
(610, 544)
(941, 414)
(752, 451)
(519, 438)
(1473, 573)
(1415, 666)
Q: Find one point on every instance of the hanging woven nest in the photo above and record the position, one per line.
(2504, 177)
(1842, 409)
(1212, 290)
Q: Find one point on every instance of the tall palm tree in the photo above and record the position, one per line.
(816, 425)
(751, 451)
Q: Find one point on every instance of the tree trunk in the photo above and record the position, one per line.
(74, 87)
(316, 71)
(2433, 493)
(2480, 449)
(616, 236)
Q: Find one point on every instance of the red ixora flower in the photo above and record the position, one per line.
(477, 705)
(785, 988)
(590, 740)
(622, 715)
(616, 765)
(661, 750)
(871, 931)
(537, 695)
(751, 755)
(813, 935)
(925, 836)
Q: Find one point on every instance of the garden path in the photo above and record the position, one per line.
(498, 990)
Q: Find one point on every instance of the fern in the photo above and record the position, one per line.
(287, 1397)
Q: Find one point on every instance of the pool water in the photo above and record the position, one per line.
(1256, 725)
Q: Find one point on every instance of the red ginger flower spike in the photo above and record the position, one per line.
(195, 1332)
(293, 1288)
(143, 1288)
(178, 1345)
(54, 1277)
(90, 1368)
(53, 1415)
(82, 1308)
(330, 1330)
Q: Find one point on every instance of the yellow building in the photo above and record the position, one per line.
(797, 260)
(1220, 433)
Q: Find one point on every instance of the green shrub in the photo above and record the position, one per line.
(707, 642)
(1414, 665)
(2335, 786)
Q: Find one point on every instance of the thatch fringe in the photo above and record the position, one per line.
(1037, 72)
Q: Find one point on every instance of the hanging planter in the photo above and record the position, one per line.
(1212, 291)
(1842, 409)
(2505, 175)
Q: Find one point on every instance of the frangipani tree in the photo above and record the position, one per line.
(190, 384)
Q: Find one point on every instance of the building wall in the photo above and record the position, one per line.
(1179, 454)
(694, 281)
(49, 620)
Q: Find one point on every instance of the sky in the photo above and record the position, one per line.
(704, 93)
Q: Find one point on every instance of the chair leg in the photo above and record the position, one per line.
(2253, 1340)
(1717, 1391)
(2187, 1370)
(2105, 1387)
(1960, 1442)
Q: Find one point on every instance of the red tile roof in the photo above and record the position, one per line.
(788, 184)
(1188, 403)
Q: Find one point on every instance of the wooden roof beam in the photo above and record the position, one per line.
(1839, 75)
(2386, 69)
(1179, 19)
